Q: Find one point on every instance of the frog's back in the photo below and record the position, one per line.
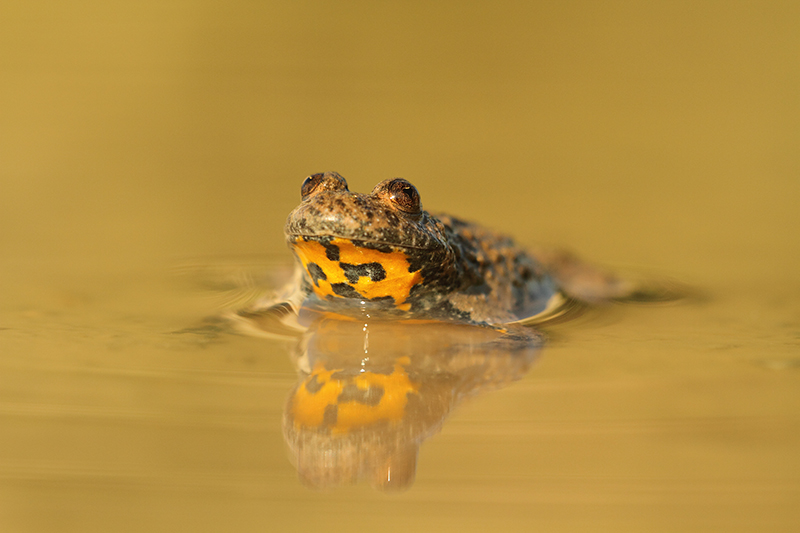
(502, 282)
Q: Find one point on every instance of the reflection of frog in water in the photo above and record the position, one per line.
(371, 393)
(458, 296)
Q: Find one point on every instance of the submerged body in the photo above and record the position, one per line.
(382, 250)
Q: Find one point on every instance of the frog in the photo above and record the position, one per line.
(383, 252)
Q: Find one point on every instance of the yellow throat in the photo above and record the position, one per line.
(370, 273)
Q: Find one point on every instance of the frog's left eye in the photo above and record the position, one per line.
(309, 184)
(323, 181)
(401, 193)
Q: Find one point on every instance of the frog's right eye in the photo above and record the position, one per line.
(327, 181)
(400, 194)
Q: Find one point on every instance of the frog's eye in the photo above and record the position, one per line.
(327, 181)
(309, 184)
(404, 195)
(401, 194)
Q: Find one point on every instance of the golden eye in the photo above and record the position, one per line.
(310, 184)
(323, 181)
(401, 194)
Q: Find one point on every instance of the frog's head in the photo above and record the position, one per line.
(380, 246)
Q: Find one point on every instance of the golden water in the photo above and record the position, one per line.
(149, 154)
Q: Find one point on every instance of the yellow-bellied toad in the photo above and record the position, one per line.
(383, 250)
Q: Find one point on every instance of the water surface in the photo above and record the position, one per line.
(149, 155)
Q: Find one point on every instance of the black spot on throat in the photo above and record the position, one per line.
(373, 271)
(316, 273)
(331, 251)
(345, 290)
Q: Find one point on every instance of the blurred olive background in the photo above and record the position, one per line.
(661, 136)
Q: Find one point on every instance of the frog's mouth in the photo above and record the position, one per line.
(346, 268)
(374, 244)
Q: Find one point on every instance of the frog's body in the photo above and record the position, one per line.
(383, 250)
